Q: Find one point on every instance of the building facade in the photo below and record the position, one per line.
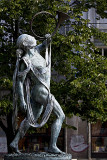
(89, 141)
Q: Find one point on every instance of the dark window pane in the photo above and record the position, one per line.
(99, 129)
(105, 52)
(99, 144)
(99, 52)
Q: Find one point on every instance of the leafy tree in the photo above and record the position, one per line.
(73, 56)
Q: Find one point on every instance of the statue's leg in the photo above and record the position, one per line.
(24, 126)
(37, 109)
(56, 127)
(42, 98)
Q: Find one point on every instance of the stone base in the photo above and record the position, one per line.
(38, 156)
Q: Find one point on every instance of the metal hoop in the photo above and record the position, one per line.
(43, 12)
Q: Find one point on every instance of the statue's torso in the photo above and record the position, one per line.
(39, 63)
(37, 60)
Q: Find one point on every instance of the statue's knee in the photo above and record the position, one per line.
(62, 116)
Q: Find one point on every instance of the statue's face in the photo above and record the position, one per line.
(31, 41)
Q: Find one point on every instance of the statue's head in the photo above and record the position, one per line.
(26, 41)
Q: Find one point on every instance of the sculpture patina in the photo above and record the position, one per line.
(31, 65)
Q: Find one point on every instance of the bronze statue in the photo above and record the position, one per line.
(32, 65)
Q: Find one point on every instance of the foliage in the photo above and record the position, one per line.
(84, 71)
(73, 54)
(5, 83)
(85, 5)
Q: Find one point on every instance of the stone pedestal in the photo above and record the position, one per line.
(38, 156)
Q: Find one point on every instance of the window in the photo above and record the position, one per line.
(103, 52)
(99, 140)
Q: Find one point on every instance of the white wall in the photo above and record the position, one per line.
(99, 23)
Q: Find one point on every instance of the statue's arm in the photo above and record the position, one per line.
(42, 46)
(20, 87)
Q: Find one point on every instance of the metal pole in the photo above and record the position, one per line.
(89, 141)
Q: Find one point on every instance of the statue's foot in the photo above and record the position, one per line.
(14, 148)
(55, 150)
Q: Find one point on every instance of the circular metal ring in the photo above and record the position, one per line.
(42, 12)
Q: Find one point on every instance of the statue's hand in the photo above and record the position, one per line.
(48, 36)
(23, 106)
